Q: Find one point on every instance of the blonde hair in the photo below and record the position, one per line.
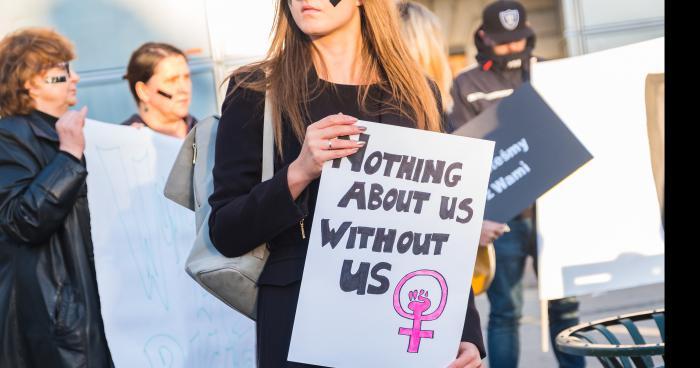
(289, 61)
(422, 32)
(25, 54)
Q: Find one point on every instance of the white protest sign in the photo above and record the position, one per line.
(154, 314)
(391, 251)
(601, 229)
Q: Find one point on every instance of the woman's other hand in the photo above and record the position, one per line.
(468, 356)
(490, 231)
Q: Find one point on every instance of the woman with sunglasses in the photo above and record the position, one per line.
(49, 303)
(159, 80)
(331, 62)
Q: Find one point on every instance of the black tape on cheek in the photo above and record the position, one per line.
(164, 94)
(334, 2)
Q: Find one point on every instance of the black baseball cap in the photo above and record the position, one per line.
(504, 21)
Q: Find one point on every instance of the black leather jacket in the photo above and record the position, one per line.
(49, 305)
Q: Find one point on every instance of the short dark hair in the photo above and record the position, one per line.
(144, 60)
(25, 54)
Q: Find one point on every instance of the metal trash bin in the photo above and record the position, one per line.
(615, 350)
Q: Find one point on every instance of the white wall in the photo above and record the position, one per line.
(223, 34)
(595, 25)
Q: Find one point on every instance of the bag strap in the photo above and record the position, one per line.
(268, 146)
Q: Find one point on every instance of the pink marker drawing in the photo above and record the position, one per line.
(419, 304)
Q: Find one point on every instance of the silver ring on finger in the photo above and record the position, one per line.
(330, 144)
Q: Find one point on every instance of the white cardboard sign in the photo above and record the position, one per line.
(154, 314)
(601, 230)
(391, 252)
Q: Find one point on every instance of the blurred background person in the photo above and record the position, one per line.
(505, 42)
(159, 80)
(422, 32)
(49, 302)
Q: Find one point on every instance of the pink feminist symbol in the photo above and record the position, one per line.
(418, 305)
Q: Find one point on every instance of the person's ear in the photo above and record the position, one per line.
(30, 87)
(140, 88)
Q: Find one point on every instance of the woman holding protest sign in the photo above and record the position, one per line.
(49, 302)
(331, 63)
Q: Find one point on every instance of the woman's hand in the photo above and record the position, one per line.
(468, 356)
(70, 132)
(320, 145)
(490, 231)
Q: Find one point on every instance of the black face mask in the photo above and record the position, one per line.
(488, 60)
(518, 60)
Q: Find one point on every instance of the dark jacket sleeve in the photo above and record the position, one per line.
(34, 201)
(472, 327)
(462, 110)
(245, 212)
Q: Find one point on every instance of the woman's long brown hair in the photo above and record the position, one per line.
(289, 60)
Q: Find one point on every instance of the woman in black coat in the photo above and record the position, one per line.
(49, 303)
(330, 63)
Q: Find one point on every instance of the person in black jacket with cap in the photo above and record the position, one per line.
(49, 302)
(505, 42)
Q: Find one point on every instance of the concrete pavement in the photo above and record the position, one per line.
(592, 307)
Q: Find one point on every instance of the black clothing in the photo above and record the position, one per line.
(476, 89)
(136, 118)
(246, 212)
(49, 303)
